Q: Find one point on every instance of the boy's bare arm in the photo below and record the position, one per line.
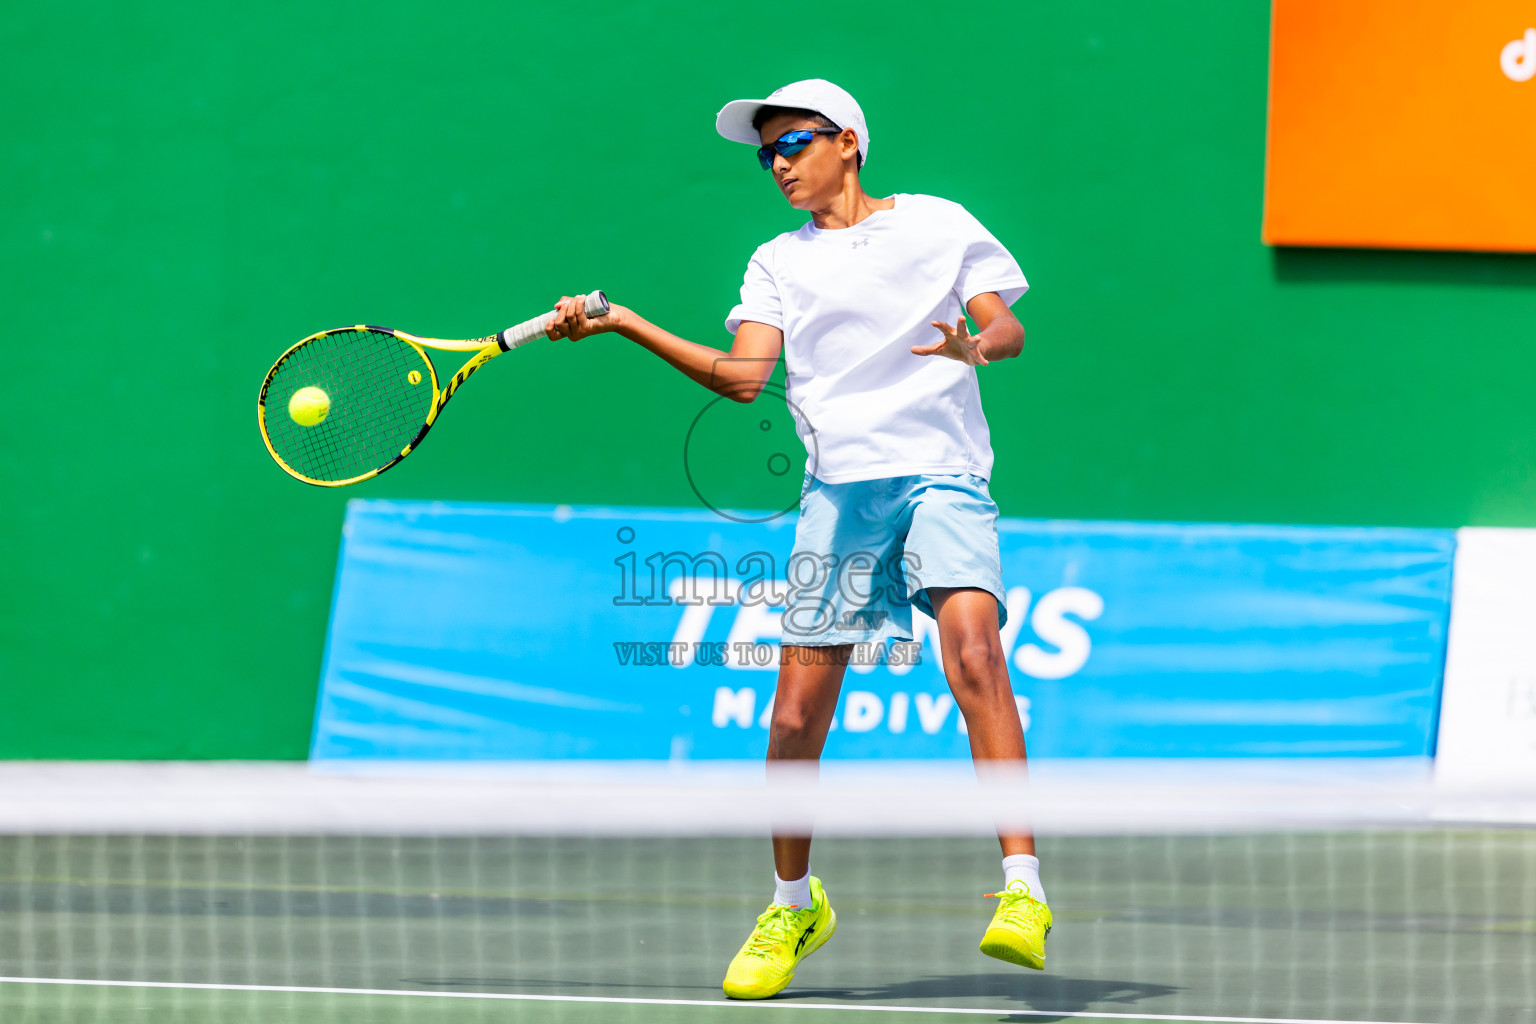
(738, 374)
(1002, 334)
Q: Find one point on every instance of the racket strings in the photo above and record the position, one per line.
(380, 392)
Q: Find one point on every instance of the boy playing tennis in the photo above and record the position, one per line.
(853, 300)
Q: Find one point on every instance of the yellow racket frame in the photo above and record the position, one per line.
(485, 350)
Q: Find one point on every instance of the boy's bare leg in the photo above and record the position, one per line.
(977, 670)
(809, 681)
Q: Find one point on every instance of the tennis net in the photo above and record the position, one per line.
(1217, 893)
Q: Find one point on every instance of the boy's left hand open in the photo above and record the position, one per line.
(959, 343)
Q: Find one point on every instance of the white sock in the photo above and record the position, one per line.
(793, 894)
(1021, 867)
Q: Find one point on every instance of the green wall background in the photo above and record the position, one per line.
(189, 188)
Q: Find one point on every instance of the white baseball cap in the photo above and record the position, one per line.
(735, 118)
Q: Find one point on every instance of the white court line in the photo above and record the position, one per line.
(763, 1004)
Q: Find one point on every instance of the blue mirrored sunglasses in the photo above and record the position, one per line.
(791, 143)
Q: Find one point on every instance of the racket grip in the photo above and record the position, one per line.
(528, 330)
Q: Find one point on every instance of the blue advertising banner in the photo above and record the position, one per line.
(463, 632)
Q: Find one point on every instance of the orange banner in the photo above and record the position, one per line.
(1402, 124)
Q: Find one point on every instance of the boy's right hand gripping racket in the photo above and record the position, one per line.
(344, 405)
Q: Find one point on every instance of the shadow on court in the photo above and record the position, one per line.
(1002, 988)
(1067, 995)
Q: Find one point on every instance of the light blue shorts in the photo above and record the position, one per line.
(866, 552)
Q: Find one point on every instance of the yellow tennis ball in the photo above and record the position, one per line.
(309, 406)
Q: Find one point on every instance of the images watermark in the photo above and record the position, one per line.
(824, 595)
(682, 653)
(822, 607)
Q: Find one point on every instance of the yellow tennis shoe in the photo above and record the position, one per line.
(782, 937)
(1019, 929)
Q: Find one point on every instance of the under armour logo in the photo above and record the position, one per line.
(860, 241)
(863, 618)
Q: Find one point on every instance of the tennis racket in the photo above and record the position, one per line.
(344, 405)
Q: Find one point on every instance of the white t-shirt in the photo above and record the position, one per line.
(851, 303)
